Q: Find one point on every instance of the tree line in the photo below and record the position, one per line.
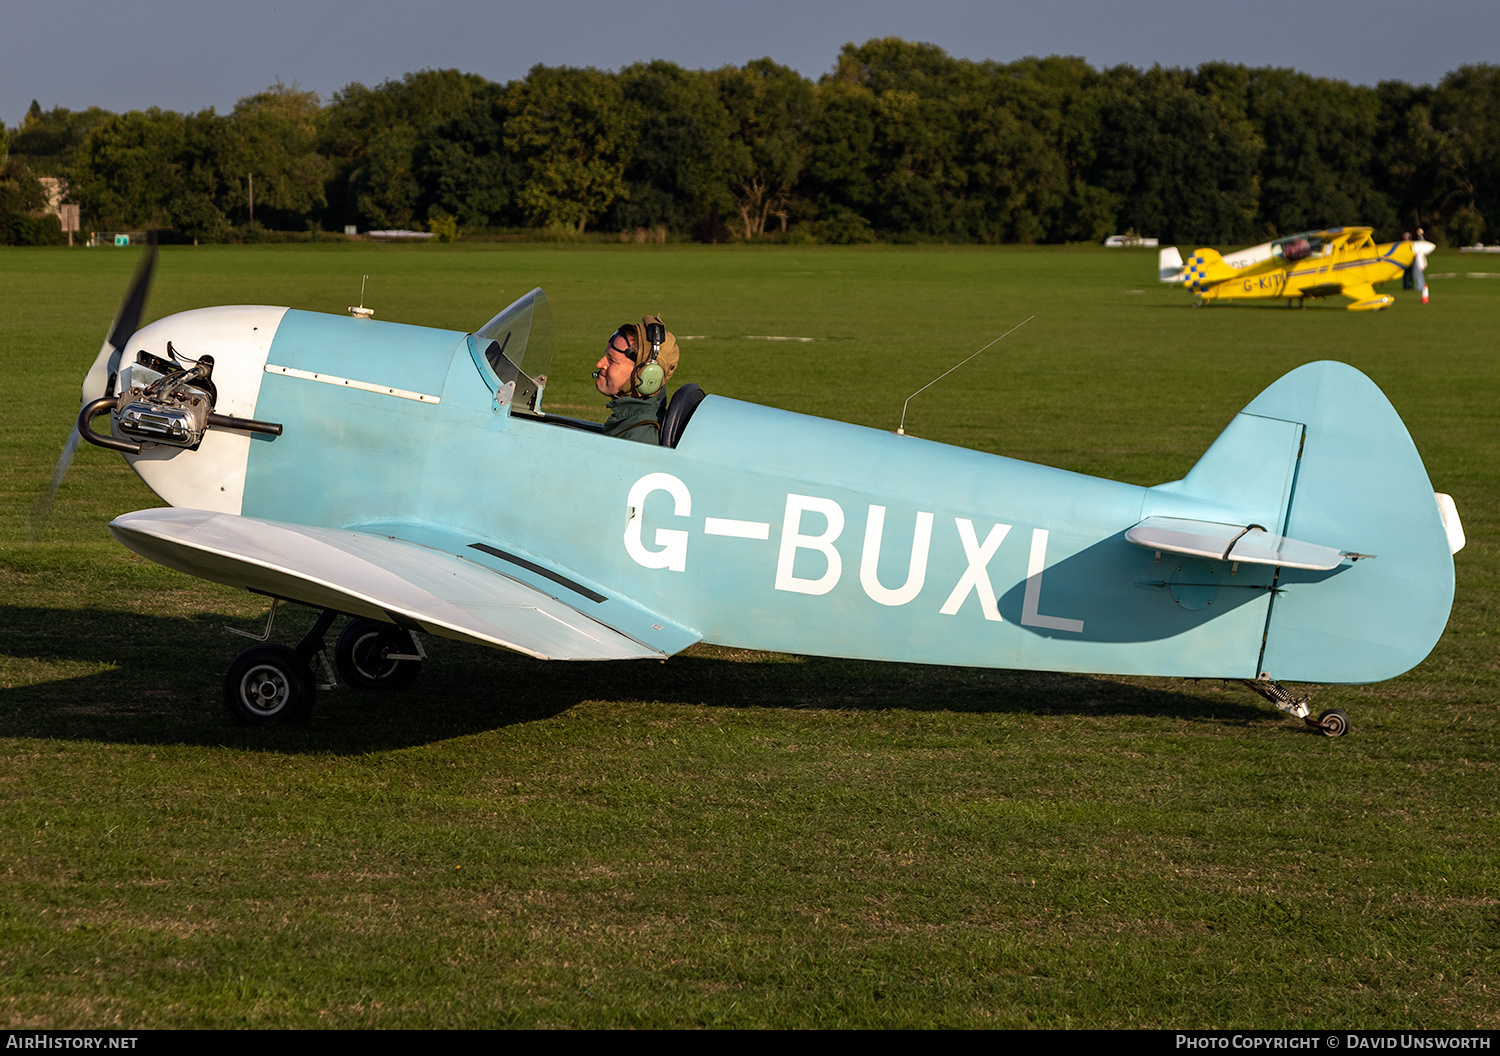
(900, 142)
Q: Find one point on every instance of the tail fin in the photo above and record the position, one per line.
(1323, 456)
(1169, 265)
(1205, 268)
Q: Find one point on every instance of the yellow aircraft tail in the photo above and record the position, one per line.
(1205, 268)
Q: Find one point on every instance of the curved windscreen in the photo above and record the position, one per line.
(525, 333)
(1298, 247)
(518, 345)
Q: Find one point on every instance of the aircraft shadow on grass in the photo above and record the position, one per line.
(167, 692)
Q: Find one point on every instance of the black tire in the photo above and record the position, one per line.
(1333, 723)
(361, 656)
(268, 684)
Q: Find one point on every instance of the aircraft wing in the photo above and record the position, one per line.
(364, 574)
(1246, 544)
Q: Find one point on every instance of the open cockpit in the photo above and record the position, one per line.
(513, 353)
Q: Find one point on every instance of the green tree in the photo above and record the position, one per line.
(154, 169)
(681, 151)
(842, 171)
(1466, 181)
(20, 190)
(571, 130)
(372, 137)
(192, 213)
(769, 107)
(385, 185)
(928, 146)
(1012, 137)
(273, 135)
(463, 168)
(130, 166)
(1181, 159)
(1422, 166)
(48, 139)
(901, 140)
(914, 165)
(198, 204)
(1317, 168)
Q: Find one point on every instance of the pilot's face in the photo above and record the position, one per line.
(612, 372)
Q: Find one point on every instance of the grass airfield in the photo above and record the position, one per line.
(743, 839)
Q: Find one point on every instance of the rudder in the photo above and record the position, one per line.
(1360, 486)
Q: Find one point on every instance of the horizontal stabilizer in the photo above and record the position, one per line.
(1246, 544)
(1169, 265)
(364, 574)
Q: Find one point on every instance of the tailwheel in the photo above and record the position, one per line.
(268, 684)
(375, 655)
(1333, 723)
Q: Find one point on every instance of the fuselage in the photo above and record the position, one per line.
(762, 529)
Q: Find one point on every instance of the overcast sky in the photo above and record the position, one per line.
(188, 55)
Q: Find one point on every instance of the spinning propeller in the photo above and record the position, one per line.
(100, 378)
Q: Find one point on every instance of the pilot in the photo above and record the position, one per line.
(638, 359)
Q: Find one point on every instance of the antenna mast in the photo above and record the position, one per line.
(362, 312)
(901, 429)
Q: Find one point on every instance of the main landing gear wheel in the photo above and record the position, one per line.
(1333, 723)
(268, 684)
(375, 655)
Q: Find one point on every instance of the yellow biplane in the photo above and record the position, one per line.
(1346, 261)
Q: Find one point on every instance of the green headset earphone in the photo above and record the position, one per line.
(649, 375)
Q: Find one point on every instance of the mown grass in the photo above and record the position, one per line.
(732, 838)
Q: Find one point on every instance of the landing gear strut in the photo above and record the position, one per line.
(375, 655)
(1332, 723)
(269, 684)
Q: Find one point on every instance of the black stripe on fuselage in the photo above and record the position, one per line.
(577, 588)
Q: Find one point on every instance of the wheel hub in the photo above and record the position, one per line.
(268, 690)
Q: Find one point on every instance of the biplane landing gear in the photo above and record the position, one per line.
(268, 684)
(1332, 723)
(375, 655)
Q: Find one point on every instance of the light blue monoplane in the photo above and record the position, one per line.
(410, 478)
